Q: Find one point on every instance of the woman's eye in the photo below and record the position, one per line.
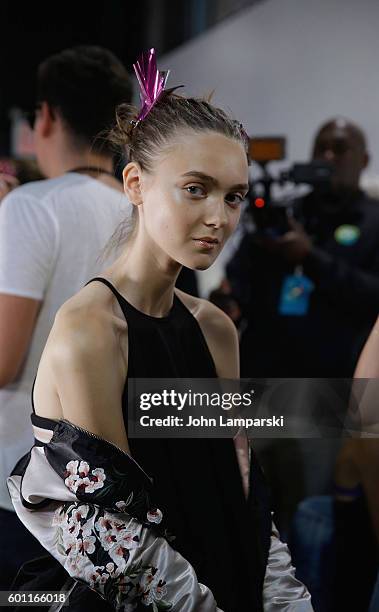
(234, 199)
(195, 190)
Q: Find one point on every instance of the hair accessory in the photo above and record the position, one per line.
(151, 81)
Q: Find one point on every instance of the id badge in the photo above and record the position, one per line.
(295, 295)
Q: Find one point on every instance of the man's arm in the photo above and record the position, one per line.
(17, 320)
(27, 257)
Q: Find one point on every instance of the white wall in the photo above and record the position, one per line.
(285, 66)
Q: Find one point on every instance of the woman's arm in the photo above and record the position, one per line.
(364, 452)
(368, 362)
(363, 407)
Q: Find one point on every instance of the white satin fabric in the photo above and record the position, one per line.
(282, 592)
(40, 481)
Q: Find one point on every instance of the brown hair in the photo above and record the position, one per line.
(142, 142)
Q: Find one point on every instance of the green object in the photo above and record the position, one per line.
(347, 234)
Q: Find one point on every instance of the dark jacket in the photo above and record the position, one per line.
(344, 304)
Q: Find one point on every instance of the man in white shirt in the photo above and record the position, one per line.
(52, 233)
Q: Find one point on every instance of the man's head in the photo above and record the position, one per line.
(342, 143)
(78, 91)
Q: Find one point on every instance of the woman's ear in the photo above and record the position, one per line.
(132, 176)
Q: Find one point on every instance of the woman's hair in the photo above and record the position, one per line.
(144, 141)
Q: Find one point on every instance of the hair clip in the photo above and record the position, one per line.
(151, 81)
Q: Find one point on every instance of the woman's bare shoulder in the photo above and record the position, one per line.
(88, 321)
(86, 335)
(85, 366)
(219, 331)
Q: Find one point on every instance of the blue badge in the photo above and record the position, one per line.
(295, 294)
(347, 235)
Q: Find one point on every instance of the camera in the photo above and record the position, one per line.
(271, 218)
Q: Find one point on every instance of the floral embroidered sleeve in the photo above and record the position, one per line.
(91, 506)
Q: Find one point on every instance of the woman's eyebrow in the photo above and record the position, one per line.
(211, 179)
(205, 177)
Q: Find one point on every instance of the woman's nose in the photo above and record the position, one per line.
(216, 215)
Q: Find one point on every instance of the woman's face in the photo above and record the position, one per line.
(191, 202)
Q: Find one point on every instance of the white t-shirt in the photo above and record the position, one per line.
(52, 233)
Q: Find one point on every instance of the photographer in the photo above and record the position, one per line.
(311, 295)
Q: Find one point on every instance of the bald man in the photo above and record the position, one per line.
(342, 143)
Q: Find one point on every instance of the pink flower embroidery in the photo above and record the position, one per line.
(154, 516)
(122, 504)
(153, 589)
(78, 477)
(97, 578)
(86, 544)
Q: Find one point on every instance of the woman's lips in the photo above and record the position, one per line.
(207, 244)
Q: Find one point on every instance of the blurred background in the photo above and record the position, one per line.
(31, 33)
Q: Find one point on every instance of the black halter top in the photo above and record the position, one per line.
(197, 481)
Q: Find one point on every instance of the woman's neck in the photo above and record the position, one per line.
(146, 278)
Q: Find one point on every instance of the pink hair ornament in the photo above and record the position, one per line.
(152, 83)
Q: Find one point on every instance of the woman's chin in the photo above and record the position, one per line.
(198, 263)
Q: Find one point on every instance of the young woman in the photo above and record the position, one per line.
(192, 540)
